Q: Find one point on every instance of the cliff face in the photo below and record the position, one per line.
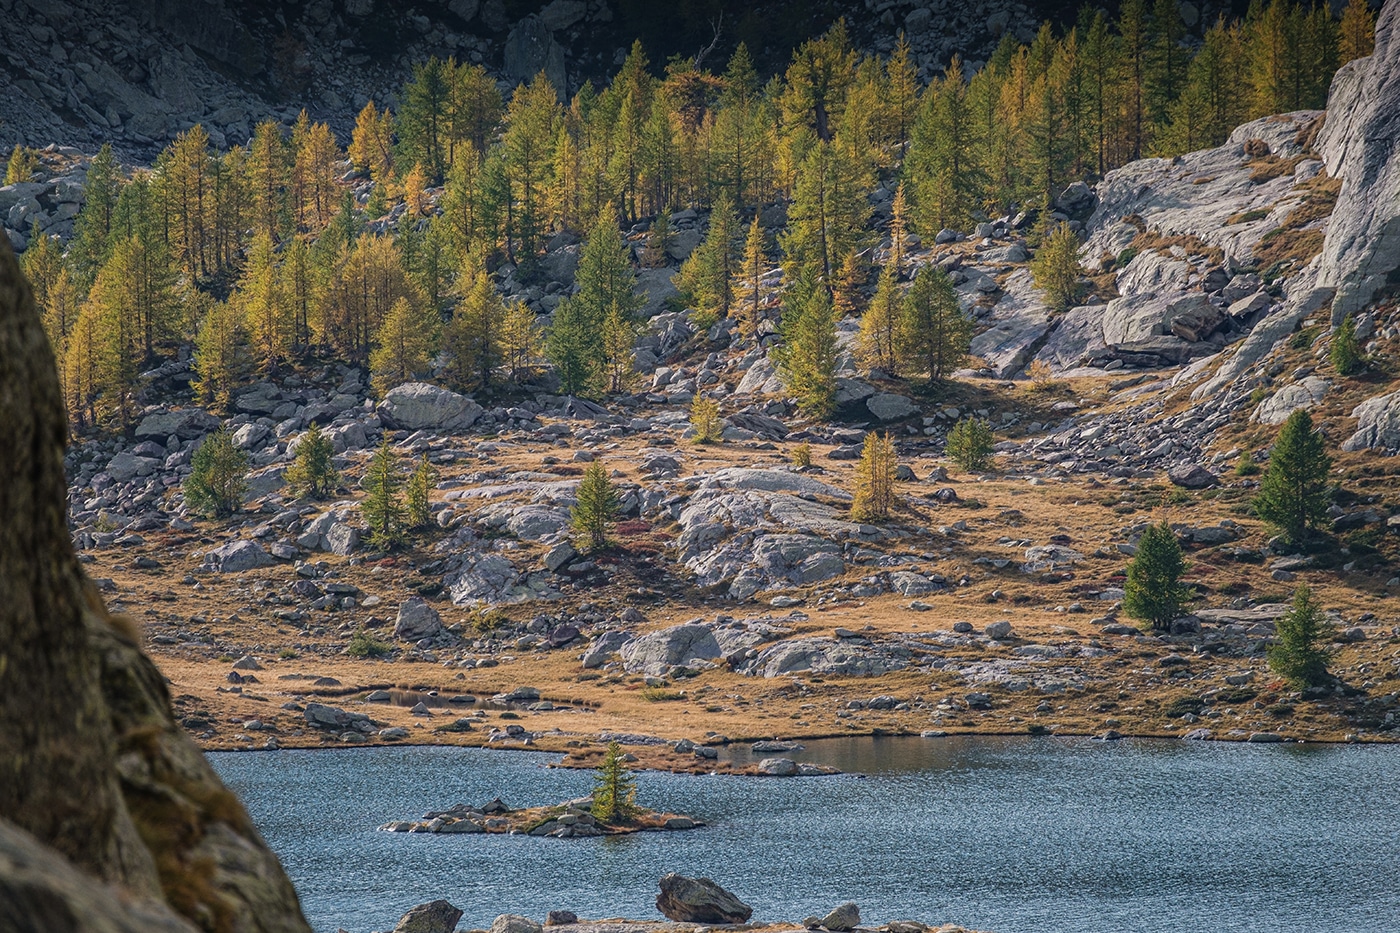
(93, 767)
(1359, 143)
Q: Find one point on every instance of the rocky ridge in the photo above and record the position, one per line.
(82, 72)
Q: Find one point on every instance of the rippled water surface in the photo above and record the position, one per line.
(1004, 834)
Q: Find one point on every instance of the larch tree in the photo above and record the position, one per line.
(528, 159)
(474, 338)
(220, 353)
(829, 209)
(520, 339)
(596, 508)
(270, 326)
(877, 343)
(372, 142)
(874, 494)
(1357, 31)
(750, 278)
(266, 170)
(405, 343)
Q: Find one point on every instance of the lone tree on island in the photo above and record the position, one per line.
(1300, 656)
(1293, 493)
(216, 482)
(1154, 592)
(596, 508)
(615, 791)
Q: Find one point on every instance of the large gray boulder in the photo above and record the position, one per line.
(1360, 143)
(185, 423)
(699, 900)
(657, 653)
(1303, 394)
(417, 620)
(887, 406)
(1377, 423)
(417, 406)
(237, 556)
(434, 917)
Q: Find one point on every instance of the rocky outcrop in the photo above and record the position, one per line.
(42, 893)
(699, 900)
(98, 768)
(1361, 145)
(1377, 424)
(660, 652)
(1304, 394)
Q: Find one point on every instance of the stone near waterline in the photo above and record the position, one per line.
(556, 918)
(434, 917)
(779, 767)
(842, 919)
(513, 923)
(695, 900)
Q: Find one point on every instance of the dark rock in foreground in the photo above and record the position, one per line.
(699, 900)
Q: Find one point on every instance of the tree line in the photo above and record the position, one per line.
(263, 253)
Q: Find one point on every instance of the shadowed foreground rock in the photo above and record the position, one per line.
(92, 763)
(699, 900)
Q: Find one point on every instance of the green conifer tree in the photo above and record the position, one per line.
(808, 354)
(1302, 654)
(420, 486)
(1345, 353)
(1056, 268)
(934, 334)
(313, 471)
(596, 508)
(970, 445)
(1153, 592)
(1293, 494)
(383, 506)
(217, 477)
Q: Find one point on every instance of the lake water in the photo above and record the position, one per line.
(1014, 835)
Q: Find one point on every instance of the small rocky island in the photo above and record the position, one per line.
(569, 820)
